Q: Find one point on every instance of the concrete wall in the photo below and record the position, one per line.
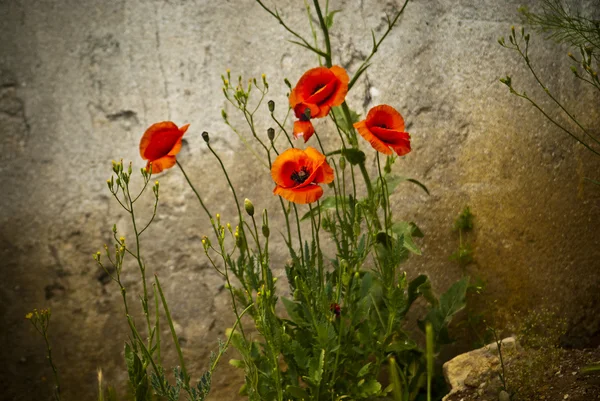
(81, 80)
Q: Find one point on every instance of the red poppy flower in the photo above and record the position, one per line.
(384, 129)
(160, 143)
(317, 91)
(297, 174)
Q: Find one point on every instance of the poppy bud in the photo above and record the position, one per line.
(249, 207)
(343, 163)
(271, 106)
(289, 85)
(271, 133)
(205, 136)
(265, 230)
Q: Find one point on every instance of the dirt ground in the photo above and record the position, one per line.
(562, 382)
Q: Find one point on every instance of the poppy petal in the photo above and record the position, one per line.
(342, 89)
(385, 116)
(402, 149)
(375, 142)
(307, 194)
(312, 80)
(300, 110)
(161, 164)
(324, 174)
(323, 94)
(286, 164)
(176, 148)
(389, 136)
(305, 129)
(159, 139)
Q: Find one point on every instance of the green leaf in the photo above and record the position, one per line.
(364, 370)
(354, 156)
(464, 220)
(325, 204)
(591, 368)
(315, 369)
(297, 392)
(451, 302)
(291, 308)
(407, 231)
(338, 114)
(420, 286)
(237, 363)
(369, 388)
(329, 18)
(394, 180)
(401, 345)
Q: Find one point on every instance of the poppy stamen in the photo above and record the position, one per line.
(300, 176)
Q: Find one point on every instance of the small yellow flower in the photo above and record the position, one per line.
(29, 316)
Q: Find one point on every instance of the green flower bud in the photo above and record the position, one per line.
(265, 230)
(271, 133)
(271, 106)
(205, 136)
(249, 207)
(342, 162)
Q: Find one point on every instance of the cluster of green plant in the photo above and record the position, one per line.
(463, 224)
(474, 321)
(582, 33)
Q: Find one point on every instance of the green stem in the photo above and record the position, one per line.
(173, 333)
(54, 370)
(325, 33)
(138, 257)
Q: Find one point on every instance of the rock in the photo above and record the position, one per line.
(475, 367)
(503, 396)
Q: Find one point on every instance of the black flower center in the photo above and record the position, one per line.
(300, 176)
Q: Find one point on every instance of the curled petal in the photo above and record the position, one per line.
(308, 194)
(161, 164)
(305, 129)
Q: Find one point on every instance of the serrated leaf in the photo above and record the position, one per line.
(291, 308)
(451, 302)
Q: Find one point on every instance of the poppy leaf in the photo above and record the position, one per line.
(329, 19)
(393, 181)
(325, 204)
(354, 156)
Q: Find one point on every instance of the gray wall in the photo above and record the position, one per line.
(81, 80)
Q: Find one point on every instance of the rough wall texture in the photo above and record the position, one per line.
(81, 80)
